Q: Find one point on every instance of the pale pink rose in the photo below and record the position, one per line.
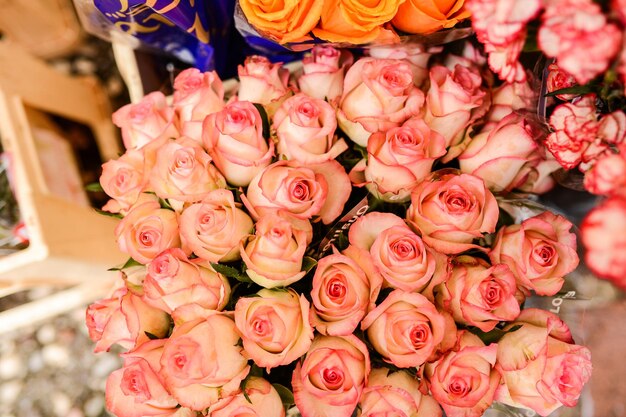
(305, 128)
(478, 294)
(464, 380)
(542, 369)
(540, 252)
(538, 174)
(398, 159)
(603, 233)
(451, 210)
(509, 98)
(395, 394)
(260, 400)
(196, 95)
(274, 255)
(607, 176)
(148, 120)
(501, 156)
(124, 318)
(202, 362)
(416, 54)
(262, 82)
(345, 287)
(183, 171)
(323, 71)
(123, 179)
(213, 228)
(316, 191)
(406, 329)
(234, 139)
(452, 101)
(330, 379)
(136, 390)
(400, 255)
(274, 327)
(576, 33)
(173, 281)
(559, 79)
(612, 127)
(378, 94)
(146, 231)
(575, 136)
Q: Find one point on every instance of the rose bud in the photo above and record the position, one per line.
(395, 394)
(213, 228)
(148, 120)
(416, 55)
(258, 399)
(262, 82)
(123, 180)
(323, 71)
(558, 80)
(274, 327)
(540, 252)
(542, 369)
(378, 94)
(345, 287)
(330, 379)
(234, 139)
(464, 380)
(506, 99)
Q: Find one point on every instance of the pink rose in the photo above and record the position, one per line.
(612, 127)
(305, 128)
(504, 155)
(123, 180)
(395, 394)
(416, 54)
(478, 294)
(198, 367)
(262, 82)
(398, 159)
(234, 139)
(143, 122)
(453, 101)
(399, 254)
(576, 33)
(274, 255)
(559, 79)
(575, 136)
(330, 379)
(323, 70)
(451, 210)
(509, 98)
(213, 228)
(260, 400)
(196, 95)
(406, 329)
(183, 171)
(124, 318)
(274, 327)
(146, 231)
(603, 233)
(136, 390)
(541, 368)
(540, 252)
(173, 281)
(317, 191)
(607, 176)
(345, 287)
(464, 380)
(378, 94)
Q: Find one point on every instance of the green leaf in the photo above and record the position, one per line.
(577, 89)
(230, 272)
(494, 335)
(265, 119)
(255, 370)
(94, 187)
(286, 396)
(129, 263)
(108, 214)
(164, 204)
(308, 263)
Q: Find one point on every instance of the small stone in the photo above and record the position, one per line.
(56, 355)
(11, 366)
(93, 406)
(61, 403)
(10, 391)
(46, 334)
(35, 362)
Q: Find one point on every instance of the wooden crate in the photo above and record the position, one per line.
(70, 243)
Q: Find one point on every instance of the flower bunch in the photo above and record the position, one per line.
(255, 258)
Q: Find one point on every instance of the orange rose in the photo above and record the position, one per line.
(284, 21)
(355, 21)
(426, 16)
